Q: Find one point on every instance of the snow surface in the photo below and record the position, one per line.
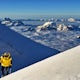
(64, 66)
(23, 50)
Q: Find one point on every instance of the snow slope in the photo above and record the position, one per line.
(28, 51)
(64, 66)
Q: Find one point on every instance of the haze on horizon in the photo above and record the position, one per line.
(28, 8)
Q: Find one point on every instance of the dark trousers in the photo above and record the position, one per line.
(5, 70)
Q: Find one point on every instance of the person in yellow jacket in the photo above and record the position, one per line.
(6, 63)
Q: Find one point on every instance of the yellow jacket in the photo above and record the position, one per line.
(6, 61)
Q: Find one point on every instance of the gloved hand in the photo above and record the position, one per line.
(10, 65)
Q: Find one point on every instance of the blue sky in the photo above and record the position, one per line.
(39, 7)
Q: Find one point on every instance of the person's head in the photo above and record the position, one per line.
(6, 54)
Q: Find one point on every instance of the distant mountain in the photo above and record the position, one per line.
(7, 19)
(46, 26)
(57, 26)
(9, 22)
(71, 20)
(62, 27)
(51, 26)
(18, 23)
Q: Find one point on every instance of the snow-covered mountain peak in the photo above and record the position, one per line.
(62, 27)
(44, 26)
(47, 24)
(71, 20)
(10, 22)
